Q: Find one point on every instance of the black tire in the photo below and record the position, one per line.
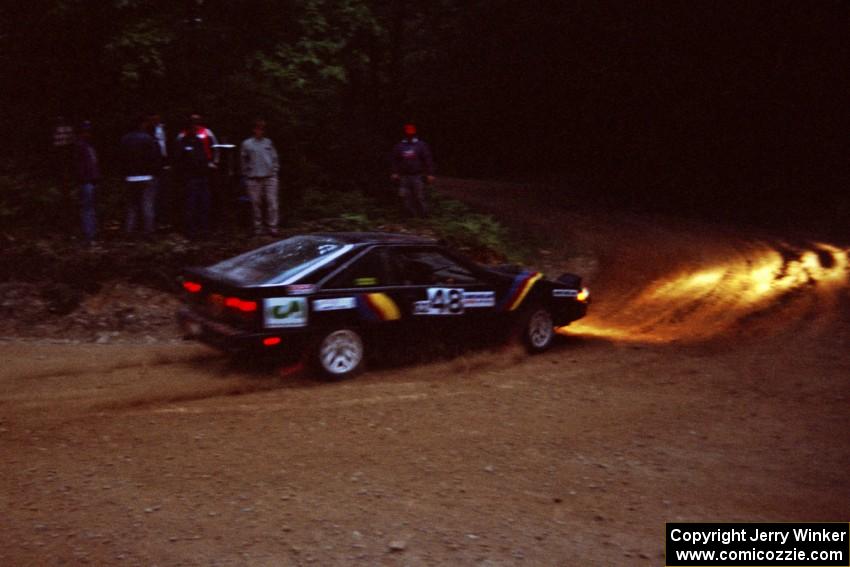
(339, 354)
(538, 329)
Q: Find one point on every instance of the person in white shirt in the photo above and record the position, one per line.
(260, 166)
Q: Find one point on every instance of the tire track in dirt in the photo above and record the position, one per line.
(145, 378)
(77, 380)
(380, 386)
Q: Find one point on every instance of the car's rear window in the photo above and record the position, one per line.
(278, 262)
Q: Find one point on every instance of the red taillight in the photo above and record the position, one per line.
(192, 287)
(271, 341)
(241, 305)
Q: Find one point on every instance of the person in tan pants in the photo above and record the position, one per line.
(260, 166)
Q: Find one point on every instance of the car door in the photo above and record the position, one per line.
(367, 288)
(441, 293)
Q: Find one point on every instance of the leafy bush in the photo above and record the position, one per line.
(479, 235)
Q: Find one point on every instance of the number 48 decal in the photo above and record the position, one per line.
(452, 301)
(445, 301)
(441, 301)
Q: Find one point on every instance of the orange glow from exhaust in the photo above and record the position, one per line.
(756, 286)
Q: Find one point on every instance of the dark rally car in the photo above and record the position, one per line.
(333, 295)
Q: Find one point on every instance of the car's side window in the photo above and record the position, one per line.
(428, 267)
(371, 270)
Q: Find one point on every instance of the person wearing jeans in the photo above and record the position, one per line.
(260, 166)
(88, 216)
(141, 202)
(141, 162)
(411, 161)
(88, 174)
(198, 204)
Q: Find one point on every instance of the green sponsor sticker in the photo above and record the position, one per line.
(282, 311)
(285, 312)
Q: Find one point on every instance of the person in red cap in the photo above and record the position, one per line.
(411, 162)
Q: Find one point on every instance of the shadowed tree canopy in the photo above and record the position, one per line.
(684, 102)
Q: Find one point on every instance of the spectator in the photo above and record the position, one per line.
(62, 163)
(205, 135)
(232, 200)
(88, 174)
(164, 199)
(411, 160)
(260, 168)
(194, 159)
(140, 162)
(158, 132)
(63, 148)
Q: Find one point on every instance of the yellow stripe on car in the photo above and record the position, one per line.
(526, 287)
(385, 306)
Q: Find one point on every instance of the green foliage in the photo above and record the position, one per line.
(329, 76)
(137, 51)
(25, 200)
(10, 201)
(479, 235)
(342, 210)
(38, 206)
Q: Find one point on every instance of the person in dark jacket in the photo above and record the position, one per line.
(411, 161)
(88, 174)
(141, 162)
(194, 159)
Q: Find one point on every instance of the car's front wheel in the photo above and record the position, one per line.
(340, 354)
(538, 331)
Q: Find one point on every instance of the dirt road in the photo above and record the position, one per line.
(711, 383)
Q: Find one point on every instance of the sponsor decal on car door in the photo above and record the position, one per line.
(283, 312)
(452, 301)
(334, 304)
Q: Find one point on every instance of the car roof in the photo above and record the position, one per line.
(377, 238)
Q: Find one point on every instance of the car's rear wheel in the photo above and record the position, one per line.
(538, 331)
(340, 354)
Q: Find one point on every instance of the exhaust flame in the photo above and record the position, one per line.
(711, 300)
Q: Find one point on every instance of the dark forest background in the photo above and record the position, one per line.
(732, 109)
